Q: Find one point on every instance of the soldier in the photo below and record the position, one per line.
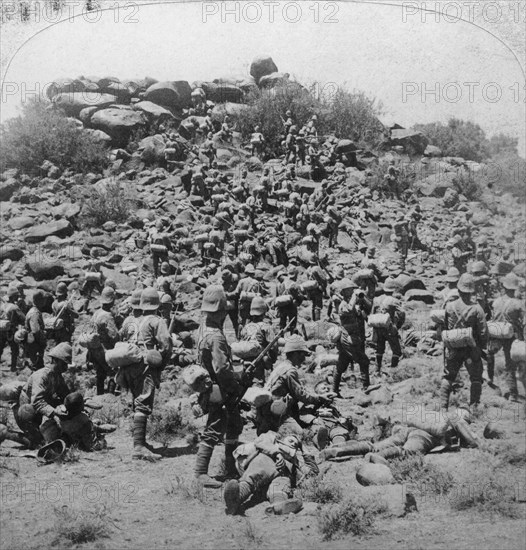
(460, 254)
(301, 147)
(261, 331)
(388, 304)
(391, 179)
(223, 417)
(257, 142)
(463, 313)
(62, 307)
(226, 131)
(208, 149)
(104, 323)
(271, 464)
(479, 270)
(94, 278)
(159, 246)
(317, 274)
(42, 396)
(11, 317)
(334, 219)
(450, 292)
(282, 414)
(507, 309)
(401, 238)
(288, 309)
(130, 324)
(350, 345)
(290, 146)
(229, 282)
(245, 290)
(36, 332)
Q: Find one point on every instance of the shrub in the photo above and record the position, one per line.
(168, 424)
(466, 184)
(315, 489)
(44, 134)
(78, 527)
(112, 203)
(458, 138)
(425, 477)
(351, 516)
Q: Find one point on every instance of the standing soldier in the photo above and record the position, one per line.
(93, 278)
(388, 304)
(507, 309)
(11, 317)
(257, 142)
(261, 331)
(463, 313)
(290, 146)
(62, 307)
(449, 293)
(223, 417)
(460, 254)
(288, 298)
(301, 147)
(479, 270)
(208, 149)
(245, 291)
(401, 238)
(334, 219)
(143, 378)
(36, 332)
(159, 246)
(130, 324)
(350, 346)
(104, 323)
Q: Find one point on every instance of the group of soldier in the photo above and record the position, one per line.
(236, 251)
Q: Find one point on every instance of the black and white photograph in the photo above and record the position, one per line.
(262, 275)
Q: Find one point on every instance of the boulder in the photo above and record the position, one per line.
(68, 210)
(397, 499)
(60, 228)
(381, 396)
(273, 80)
(416, 294)
(345, 146)
(86, 113)
(374, 474)
(231, 109)
(118, 123)
(42, 271)
(8, 188)
(120, 91)
(222, 92)
(436, 185)
(413, 142)
(153, 111)
(172, 94)
(433, 151)
(99, 136)
(21, 222)
(10, 253)
(450, 198)
(74, 103)
(262, 66)
(152, 149)
(70, 86)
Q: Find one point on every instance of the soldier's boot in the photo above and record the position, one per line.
(391, 452)
(364, 375)
(491, 367)
(511, 379)
(322, 438)
(445, 390)
(202, 461)
(379, 359)
(236, 492)
(351, 448)
(111, 386)
(474, 393)
(336, 381)
(140, 450)
(395, 359)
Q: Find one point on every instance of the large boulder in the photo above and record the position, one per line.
(405, 282)
(153, 111)
(74, 103)
(413, 142)
(118, 123)
(152, 149)
(21, 222)
(120, 91)
(42, 271)
(261, 66)
(172, 94)
(437, 184)
(99, 136)
(70, 86)
(67, 210)
(12, 253)
(60, 228)
(8, 188)
(374, 474)
(222, 92)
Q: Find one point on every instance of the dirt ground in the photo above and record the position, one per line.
(158, 505)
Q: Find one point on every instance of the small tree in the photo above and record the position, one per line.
(43, 134)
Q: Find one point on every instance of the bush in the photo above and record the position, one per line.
(458, 138)
(414, 471)
(465, 184)
(112, 203)
(78, 527)
(44, 134)
(351, 516)
(168, 424)
(314, 489)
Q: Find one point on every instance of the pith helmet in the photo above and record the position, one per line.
(389, 285)
(466, 284)
(63, 352)
(107, 295)
(214, 299)
(149, 299)
(510, 282)
(258, 306)
(452, 275)
(295, 343)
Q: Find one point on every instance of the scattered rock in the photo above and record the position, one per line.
(374, 474)
(38, 233)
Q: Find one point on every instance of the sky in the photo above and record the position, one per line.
(423, 70)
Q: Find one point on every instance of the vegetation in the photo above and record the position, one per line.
(81, 526)
(42, 134)
(168, 424)
(421, 475)
(353, 515)
(315, 489)
(110, 203)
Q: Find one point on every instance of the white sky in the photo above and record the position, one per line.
(370, 47)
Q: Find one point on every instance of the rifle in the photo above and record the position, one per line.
(247, 374)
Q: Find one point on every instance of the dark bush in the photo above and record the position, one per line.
(42, 133)
(111, 203)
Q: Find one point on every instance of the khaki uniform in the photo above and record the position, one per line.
(109, 335)
(37, 339)
(12, 313)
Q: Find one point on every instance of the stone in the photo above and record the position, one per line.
(153, 111)
(38, 233)
(99, 136)
(413, 142)
(261, 66)
(10, 253)
(405, 282)
(397, 499)
(21, 222)
(273, 80)
(8, 188)
(176, 94)
(374, 474)
(221, 92)
(74, 103)
(118, 123)
(420, 295)
(44, 270)
(152, 149)
(68, 210)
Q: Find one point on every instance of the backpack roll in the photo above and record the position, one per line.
(379, 320)
(459, 338)
(123, 355)
(246, 349)
(500, 330)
